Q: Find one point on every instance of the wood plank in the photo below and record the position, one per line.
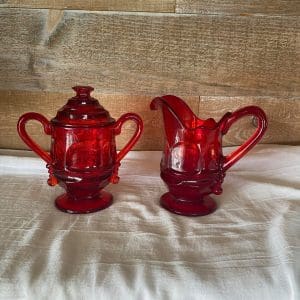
(149, 54)
(101, 5)
(283, 115)
(14, 103)
(283, 118)
(267, 7)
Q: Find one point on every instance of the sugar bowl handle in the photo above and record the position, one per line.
(27, 139)
(255, 111)
(138, 131)
(33, 145)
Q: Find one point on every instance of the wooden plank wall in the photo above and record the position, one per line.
(218, 55)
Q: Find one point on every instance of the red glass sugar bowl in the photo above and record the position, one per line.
(193, 165)
(83, 157)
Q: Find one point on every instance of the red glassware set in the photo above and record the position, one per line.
(83, 157)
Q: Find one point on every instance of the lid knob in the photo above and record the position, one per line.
(82, 91)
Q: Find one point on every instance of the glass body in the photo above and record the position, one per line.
(83, 157)
(193, 165)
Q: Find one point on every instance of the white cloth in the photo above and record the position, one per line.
(249, 248)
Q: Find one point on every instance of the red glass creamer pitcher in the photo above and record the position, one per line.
(83, 157)
(193, 165)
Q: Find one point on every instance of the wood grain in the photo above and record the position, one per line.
(149, 54)
(283, 116)
(274, 7)
(267, 7)
(104, 5)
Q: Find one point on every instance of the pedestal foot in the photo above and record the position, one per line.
(188, 208)
(83, 206)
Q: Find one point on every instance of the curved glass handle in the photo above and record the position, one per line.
(27, 139)
(255, 111)
(34, 146)
(118, 126)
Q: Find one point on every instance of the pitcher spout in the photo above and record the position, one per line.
(175, 111)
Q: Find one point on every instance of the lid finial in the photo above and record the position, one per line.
(83, 91)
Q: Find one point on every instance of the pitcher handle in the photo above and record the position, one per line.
(118, 126)
(33, 145)
(237, 154)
